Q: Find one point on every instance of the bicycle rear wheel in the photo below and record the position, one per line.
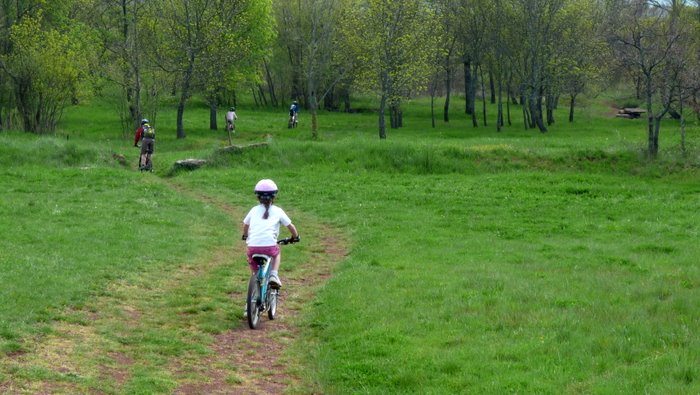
(253, 302)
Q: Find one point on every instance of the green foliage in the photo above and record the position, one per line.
(392, 45)
(50, 68)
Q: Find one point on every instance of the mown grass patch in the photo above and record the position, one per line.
(554, 279)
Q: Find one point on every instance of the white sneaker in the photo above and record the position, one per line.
(275, 281)
(245, 311)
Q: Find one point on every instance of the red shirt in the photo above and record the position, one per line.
(139, 134)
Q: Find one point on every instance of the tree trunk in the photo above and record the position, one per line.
(313, 107)
(394, 115)
(538, 118)
(382, 125)
(468, 87)
(448, 89)
(270, 85)
(345, 96)
(652, 143)
(22, 94)
(509, 93)
(446, 110)
(184, 95)
(526, 114)
(571, 107)
(263, 99)
(255, 97)
(550, 105)
(499, 116)
(432, 107)
(483, 95)
(655, 139)
(180, 117)
(682, 123)
(212, 115)
(492, 87)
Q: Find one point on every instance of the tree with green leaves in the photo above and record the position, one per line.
(580, 50)
(125, 61)
(307, 37)
(472, 32)
(390, 40)
(645, 38)
(445, 12)
(48, 69)
(197, 37)
(247, 31)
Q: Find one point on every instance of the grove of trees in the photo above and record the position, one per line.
(521, 55)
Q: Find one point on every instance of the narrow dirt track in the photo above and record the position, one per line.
(241, 361)
(258, 354)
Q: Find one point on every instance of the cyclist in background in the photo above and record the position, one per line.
(146, 134)
(261, 229)
(231, 119)
(293, 114)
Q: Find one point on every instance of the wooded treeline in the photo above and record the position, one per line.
(522, 55)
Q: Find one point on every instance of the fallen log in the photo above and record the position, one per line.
(189, 164)
(630, 113)
(240, 148)
(192, 164)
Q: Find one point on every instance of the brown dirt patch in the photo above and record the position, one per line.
(259, 355)
(241, 361)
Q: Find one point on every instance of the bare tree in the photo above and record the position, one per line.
(645, 38)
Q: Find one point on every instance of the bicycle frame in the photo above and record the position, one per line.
(263, 273)
(261, 297)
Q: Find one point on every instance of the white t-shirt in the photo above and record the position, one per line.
(264, 232)
(231, 116)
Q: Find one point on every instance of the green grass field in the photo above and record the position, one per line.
(479, 262)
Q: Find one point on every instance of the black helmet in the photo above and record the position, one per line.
(232, 109)
(144, 121)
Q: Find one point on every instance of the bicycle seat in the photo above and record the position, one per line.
(261, 259)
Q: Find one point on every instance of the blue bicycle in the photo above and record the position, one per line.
(261, 297)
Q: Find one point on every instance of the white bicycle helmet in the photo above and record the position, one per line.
(266, 188)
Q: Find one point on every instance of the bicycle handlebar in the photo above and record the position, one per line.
(289, 240)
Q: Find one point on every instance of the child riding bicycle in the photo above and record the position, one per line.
(261, 229)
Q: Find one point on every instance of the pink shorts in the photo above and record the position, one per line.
(272, 251)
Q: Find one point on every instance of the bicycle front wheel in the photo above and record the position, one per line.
(253, 302)
(272, 303)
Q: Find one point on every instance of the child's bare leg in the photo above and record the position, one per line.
(276, 262)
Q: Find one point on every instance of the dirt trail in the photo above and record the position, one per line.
(259, 354)
(241, 361)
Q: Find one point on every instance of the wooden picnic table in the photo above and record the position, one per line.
(630, 113)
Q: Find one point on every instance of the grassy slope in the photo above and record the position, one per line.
(491, 262)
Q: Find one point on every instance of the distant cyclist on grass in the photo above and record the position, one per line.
(231, 119)
(293, 114)
(145, 134)
(261, 228)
